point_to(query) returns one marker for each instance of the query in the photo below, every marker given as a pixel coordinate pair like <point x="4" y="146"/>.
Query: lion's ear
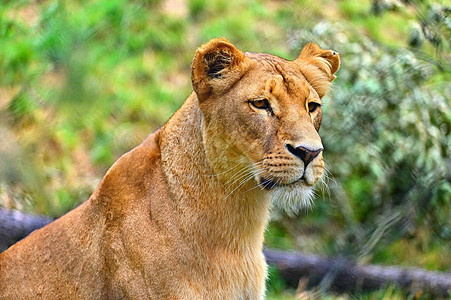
<point x="214" y="67"/>
<point x="319" y="66"/>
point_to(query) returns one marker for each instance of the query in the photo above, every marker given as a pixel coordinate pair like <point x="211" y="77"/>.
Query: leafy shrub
<point x="386" y="132"/>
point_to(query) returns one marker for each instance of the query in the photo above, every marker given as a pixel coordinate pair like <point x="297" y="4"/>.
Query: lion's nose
<point x="305" y="154"/>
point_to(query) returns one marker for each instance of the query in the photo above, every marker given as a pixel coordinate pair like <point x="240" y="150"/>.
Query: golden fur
<point x="182" y="215"/>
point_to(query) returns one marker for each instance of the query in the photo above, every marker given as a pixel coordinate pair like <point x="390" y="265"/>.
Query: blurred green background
<point x="82" y="82"/>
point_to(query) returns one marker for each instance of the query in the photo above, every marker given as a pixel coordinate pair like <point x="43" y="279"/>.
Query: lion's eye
<point x="261" y="104"/>
<point x="312" y="106"/>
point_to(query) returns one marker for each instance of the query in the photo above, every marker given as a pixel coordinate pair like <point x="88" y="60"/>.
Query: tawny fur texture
<point x="182" y="215"/>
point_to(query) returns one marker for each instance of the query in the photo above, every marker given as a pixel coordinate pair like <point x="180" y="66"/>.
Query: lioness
<point x="182" y="215"/>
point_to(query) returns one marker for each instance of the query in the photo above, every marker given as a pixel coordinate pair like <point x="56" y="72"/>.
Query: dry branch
<point x="341" y="274"/>
<point x="15" y="225"/>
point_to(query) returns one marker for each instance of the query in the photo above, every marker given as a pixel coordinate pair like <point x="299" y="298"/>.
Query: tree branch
<point x="342" y="275"/>
<point x="15" y="225"/>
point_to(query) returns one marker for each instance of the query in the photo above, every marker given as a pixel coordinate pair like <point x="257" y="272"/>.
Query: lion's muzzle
<point x="305" y="154"/>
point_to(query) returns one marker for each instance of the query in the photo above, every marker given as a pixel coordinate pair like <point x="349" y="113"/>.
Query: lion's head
<point x="263" y="113"/>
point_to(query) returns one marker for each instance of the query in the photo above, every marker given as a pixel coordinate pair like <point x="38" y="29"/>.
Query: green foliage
<point x="82" y="82"/>
<point x="276" y="286"/>
<point x="387" y="135"/>
<point x="276" y="237"/>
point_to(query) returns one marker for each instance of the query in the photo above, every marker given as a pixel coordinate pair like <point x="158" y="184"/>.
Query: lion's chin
<point x="292" y="198"/>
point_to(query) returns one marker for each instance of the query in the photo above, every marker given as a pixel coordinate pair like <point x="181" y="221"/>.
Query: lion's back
<point x="76" y="256"/>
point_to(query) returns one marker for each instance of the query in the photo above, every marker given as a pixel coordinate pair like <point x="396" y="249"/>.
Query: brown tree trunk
<point x="15" y="225"/>
<point x="342" y="275"/>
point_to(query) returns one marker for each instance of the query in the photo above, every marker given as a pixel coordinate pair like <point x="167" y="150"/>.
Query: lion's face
<point x="262" y="115"/>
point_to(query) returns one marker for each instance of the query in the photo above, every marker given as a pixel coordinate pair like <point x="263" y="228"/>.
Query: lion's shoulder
<point x="134" y="172"/>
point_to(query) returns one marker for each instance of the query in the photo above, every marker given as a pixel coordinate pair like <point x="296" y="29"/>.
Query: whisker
<point x="258" y="185"/>
<point x="242" y="183"/>
<point x="225" y="171"/>
<point x="242" y="174"/>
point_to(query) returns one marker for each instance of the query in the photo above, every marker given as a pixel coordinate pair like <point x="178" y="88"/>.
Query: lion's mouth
<point x="269" y="184"/>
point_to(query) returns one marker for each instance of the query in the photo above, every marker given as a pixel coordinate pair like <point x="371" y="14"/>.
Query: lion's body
<point x="181" y="216"/>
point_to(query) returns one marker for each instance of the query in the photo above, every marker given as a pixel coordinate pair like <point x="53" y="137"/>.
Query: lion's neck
<point x="215" y="213"/>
